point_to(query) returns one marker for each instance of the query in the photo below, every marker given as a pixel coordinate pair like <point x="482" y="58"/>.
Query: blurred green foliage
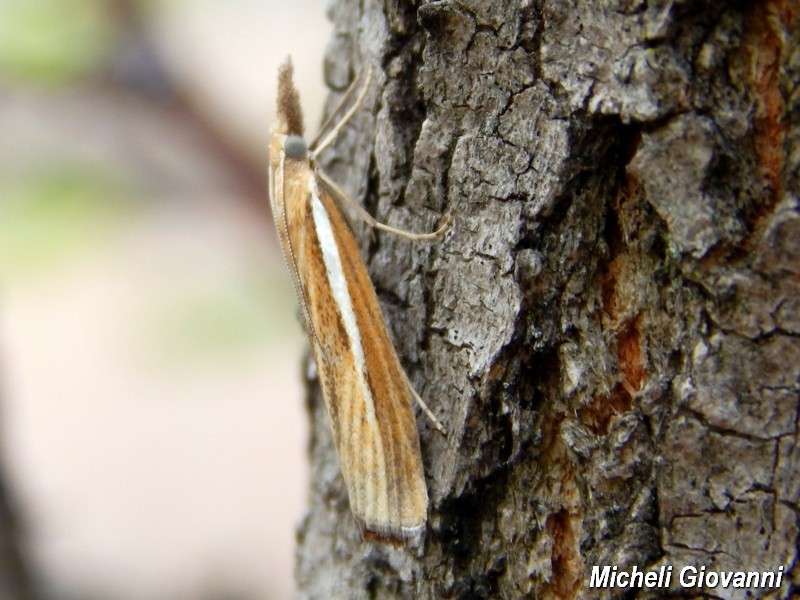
<point x="48" y="215"/>
<point x="57" y="211"/>
<point x="53" y="41"/>
<point x="213" y="322"/>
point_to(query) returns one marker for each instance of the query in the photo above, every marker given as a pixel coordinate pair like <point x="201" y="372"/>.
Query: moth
<point x="367" y="394"/>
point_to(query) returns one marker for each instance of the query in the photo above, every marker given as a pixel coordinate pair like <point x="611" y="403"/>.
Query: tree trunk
<point x="610" y="331"/>
<point x="15" y="576"/>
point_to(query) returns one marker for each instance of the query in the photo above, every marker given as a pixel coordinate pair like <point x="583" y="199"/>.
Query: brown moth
<point x="367" y="394"/>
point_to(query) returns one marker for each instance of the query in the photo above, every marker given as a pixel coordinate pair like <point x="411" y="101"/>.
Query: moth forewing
<point x="367" y="394"/>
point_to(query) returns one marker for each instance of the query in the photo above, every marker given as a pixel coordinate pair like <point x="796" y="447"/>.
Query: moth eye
<point x="295" y="147"/>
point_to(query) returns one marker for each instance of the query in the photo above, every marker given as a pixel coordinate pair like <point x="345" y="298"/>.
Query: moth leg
<point x="329" y="121"/>
<point x="340" y="196"/>
<point x="328" y="140"/>
<point x="426" y="410"/>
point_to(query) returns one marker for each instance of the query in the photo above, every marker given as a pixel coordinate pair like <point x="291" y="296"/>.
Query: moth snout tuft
<point x="290" y="115"/>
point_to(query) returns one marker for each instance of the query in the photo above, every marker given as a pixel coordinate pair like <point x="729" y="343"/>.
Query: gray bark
<point x="610" y="331"/>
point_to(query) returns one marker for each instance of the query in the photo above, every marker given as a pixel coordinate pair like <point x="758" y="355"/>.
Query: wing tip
<point x="392" y="534"/>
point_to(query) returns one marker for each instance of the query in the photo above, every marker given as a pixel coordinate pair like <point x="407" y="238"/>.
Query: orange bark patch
<point x="766" y="23"/>
<point x="566" y="562"/>
<point x="597" y="415"/>
<point x="630" y="355"/>
<point x="611" y="299"/>
<point x="563" y="524"/>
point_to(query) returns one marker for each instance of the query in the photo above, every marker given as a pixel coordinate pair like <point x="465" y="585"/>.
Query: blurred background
<point x="152" y="427"/>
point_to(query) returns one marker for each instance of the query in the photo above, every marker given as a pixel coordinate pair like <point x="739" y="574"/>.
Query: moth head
<point x="295" y="147"/>
<point x="290" y="115"/>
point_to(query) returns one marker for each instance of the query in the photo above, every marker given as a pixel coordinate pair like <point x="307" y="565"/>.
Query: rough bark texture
<point x="610" y="332"/>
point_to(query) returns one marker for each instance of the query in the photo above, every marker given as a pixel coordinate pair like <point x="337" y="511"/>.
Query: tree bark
<point x="610" y="331"/>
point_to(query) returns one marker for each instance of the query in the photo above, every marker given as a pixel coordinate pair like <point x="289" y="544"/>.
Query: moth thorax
<point x="295" y="147"/>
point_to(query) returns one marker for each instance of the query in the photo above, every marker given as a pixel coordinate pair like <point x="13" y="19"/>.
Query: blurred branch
<point x="15" y="579"/>
<point x="138" y="69"/>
